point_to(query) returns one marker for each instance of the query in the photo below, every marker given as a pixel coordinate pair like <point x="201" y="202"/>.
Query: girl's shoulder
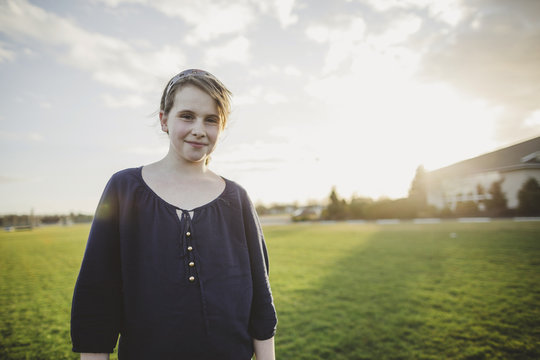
<point x="235" y="187"/>
<point x="126" y="178"/>
<point x="238" y="195"/>
<point x="127" y="173"/>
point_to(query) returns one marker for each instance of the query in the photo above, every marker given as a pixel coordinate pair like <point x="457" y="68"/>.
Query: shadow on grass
<point x="415" y="292"/>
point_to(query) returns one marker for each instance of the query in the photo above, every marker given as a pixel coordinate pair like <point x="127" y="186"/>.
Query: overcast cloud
<point x="493" y="53"/>
<point x="352" y="93"/>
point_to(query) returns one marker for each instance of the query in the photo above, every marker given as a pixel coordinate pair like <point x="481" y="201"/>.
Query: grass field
<point x="342" y="291"/>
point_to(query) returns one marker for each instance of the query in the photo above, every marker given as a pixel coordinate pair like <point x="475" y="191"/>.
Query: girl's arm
<point x="96" y="310"/>
<point x="264" y="349"/>
<point x="91" y="356"/>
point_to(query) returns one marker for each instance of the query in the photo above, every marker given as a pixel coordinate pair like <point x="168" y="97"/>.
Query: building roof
<point x="525" y="155"/>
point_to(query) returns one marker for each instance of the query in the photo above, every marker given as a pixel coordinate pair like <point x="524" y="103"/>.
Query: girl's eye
<point x="186" y="116"/>
<point x="213" y="121"/>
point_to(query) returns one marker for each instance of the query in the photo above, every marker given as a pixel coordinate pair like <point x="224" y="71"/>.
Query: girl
<point x="176" y="260"/>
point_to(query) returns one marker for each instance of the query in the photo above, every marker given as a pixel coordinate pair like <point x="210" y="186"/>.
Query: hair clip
<point x="183" y="74"/>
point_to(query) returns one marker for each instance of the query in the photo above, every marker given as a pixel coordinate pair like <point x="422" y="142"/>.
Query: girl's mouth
<point x="196" y="144"/>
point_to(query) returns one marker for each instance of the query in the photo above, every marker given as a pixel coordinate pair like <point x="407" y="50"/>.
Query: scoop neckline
<point x="139" y="173"/>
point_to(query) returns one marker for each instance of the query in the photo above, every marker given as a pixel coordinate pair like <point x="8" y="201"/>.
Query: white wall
<point x="513" y="181"/>
<point x="451" y="190"/>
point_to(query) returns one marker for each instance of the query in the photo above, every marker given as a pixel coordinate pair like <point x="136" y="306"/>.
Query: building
<point x="464" y="181"/>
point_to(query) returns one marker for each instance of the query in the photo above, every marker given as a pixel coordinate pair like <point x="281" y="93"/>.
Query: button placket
<point x="188" y="255"/>
<point x="190" y="258"/>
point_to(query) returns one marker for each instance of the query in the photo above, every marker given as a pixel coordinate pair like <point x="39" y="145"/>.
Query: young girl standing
<point x="176" y="261"/>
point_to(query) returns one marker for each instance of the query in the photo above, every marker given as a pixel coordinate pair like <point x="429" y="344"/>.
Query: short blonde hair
<point x="204" y="81"/>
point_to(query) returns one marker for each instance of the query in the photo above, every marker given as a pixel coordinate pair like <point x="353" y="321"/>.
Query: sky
<point x="354" y="94"/>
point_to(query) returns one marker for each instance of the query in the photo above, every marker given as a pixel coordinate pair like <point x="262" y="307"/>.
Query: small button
<point x="192" y="278"/>
<point x="189" y="248"/>
<point x="188" y="234"/>
<point x="191" y="264"/>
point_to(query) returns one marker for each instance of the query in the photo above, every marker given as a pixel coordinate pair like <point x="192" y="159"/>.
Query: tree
<point x="358" y="207"/>
<point x="496" y="205"/>
<point x="418" y="191"/>
<point x="336" y="209"/>
<point x="481" y="192"/>
<point x="261" y="209"/>
<point x="466" y="209"/>
<point x="480" y="189"/>
<point x="529" y="198"/>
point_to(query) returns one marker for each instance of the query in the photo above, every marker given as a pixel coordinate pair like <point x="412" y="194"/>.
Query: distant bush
<point x="529" y="198"/>
<point x="81" y="218"/>
<point x="466" y="209"/>
<point x="337" y="208"/>
<point x="496" y="205"/>
<point x="50" y="219"/>
<point x="368" y="209"/>
<point x="15" y="220"/>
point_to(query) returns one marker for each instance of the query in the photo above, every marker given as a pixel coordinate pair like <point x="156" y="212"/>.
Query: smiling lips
<point x="196" y="144"/>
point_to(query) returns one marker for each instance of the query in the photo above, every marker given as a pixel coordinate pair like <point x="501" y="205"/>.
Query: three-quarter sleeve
<point x="263" y="319"/>
<point x="96" y="312"/>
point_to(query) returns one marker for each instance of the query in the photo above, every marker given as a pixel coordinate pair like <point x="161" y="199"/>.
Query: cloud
<point x="145" y="150"/>
<point x="351" y="44"/>
<point x="292" y="70"/>
<point x="11" y="179"/>
<point x="111" y="61"/>
<point x="257" y="156"/>
<point x="127" y="101"/>
<point x="450" y="12"/>
<point x="35" y="137"/>
<point x="235" y="50"/>
<point x="17" y="136"/>
<point x="249" y="157"/>
<point x="211" y="19"/>
<point x="257" y="95"/>
<point x="344" y="41"/>
<point x="400" y="30"/>
<point x="533" y="121"/>
<point x="6" y="54"/>
<point x="493" y="54"/>
<point x="45" y="105"/>
<point x="271" y="70"/>
<point x="281" y="9"/>
<point x="274" y="98"/>
<point x="485" y="49"/>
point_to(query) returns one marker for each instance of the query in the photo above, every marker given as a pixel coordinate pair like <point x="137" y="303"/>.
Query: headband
<point x="183" y="74"/>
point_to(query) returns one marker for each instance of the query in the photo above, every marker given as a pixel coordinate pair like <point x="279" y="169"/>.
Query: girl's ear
<point x="163" y="121"/>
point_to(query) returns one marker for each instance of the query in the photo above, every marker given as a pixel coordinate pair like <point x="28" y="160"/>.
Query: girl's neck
<point x="185" y="168"/>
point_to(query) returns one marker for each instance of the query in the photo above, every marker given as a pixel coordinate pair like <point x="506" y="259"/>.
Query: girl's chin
<point x="195" y="159"/>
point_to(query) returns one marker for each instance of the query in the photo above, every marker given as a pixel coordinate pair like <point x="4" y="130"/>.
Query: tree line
<point x="491" y="203"/>
<point x="29" y="221"/>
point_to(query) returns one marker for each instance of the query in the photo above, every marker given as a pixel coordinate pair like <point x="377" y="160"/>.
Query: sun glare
<point x="382" y="118"/>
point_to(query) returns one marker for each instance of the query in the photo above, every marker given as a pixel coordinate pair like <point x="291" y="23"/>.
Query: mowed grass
<point x="342" y="291"/>
<point x="38" y="271"/>
<point x="347" y="291"/>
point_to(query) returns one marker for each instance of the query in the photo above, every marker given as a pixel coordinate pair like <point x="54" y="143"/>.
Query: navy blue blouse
<point x="173" y="287"/>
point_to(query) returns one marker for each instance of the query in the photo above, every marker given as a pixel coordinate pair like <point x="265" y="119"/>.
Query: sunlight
<point x="384" y="119"/>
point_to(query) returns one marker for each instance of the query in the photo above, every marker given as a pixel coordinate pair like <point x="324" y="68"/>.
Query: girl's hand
<point x="264" y="349"/>
<point x="92" y="356"/>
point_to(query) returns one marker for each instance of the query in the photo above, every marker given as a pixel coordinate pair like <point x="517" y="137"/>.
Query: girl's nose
<point x="198" y="129"/>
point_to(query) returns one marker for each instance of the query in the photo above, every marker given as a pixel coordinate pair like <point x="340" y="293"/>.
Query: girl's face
<point x="193" y="124"/>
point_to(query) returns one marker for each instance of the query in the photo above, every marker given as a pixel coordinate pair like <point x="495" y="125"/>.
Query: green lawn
<point x="342" y="291"/>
